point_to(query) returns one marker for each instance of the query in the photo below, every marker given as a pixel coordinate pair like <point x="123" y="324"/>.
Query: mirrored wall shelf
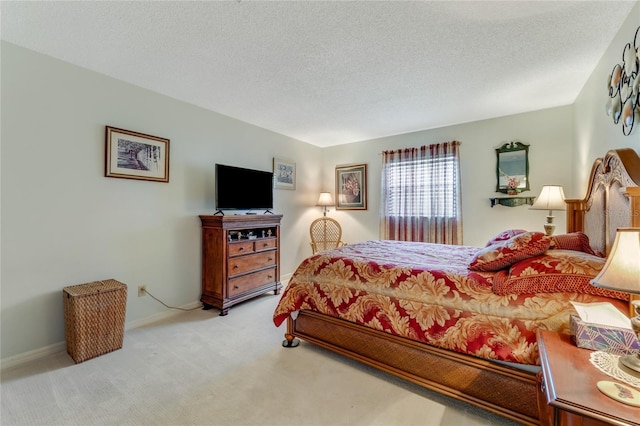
<point x="512" y="201"/>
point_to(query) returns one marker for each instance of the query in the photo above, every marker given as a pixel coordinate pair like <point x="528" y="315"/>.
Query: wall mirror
<point x="512" y="169"/>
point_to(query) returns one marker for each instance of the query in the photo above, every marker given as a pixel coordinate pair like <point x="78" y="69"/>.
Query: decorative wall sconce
<point x="624" y="88"/>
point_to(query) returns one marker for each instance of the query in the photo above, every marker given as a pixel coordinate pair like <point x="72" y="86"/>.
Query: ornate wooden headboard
<point x="612" y="200"/>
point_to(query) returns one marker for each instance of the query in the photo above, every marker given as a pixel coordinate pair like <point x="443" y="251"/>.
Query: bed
<point x="462" y="320"/>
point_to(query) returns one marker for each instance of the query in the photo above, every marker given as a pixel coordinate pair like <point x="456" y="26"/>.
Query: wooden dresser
<point x="240" y="258"/>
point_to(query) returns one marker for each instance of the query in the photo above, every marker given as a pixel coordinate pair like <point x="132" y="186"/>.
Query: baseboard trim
<point x="55" y="348"/>
<point x="35" y="354"/>
<point x="284" y="279"/>
<point x="159" y="316"/>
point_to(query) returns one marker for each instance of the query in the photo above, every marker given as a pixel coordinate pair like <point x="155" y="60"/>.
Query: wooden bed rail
<point x="575" y="214"/>
<point x="634" y="195"/>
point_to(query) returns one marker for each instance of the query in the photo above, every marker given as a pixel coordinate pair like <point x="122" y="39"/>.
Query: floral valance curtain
<point x="421" y="194"/>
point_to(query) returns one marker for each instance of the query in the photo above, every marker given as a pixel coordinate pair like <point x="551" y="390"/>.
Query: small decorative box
<point x="598" y="337"/>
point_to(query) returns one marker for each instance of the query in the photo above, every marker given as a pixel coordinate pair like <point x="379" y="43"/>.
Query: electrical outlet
<point x="142" y="290"/>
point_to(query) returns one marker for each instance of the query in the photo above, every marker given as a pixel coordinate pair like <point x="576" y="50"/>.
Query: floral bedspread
<point x="426" y="293"/>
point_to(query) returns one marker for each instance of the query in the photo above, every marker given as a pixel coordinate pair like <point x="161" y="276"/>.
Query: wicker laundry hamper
<point x="94" y="318"/>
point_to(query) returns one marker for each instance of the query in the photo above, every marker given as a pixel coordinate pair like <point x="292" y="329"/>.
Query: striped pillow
<point x="577" y="241"/>
<point x="503" y="254"/>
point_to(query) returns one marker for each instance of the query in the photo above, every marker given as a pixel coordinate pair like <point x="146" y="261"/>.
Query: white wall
<point x="549" y="134"/>
<point x="595" y="131"/>
<point x="64" y="223"/>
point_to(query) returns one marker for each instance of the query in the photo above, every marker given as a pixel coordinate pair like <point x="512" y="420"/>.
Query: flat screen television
<point x="238" y="188"/>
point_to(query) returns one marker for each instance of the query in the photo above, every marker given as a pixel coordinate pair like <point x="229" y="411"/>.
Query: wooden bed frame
<point x="612" y="200"/>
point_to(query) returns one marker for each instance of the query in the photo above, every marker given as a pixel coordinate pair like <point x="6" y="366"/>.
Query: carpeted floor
<point x="198" y="368"/>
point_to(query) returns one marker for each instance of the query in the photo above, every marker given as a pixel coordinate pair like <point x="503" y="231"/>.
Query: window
<point x="421" y="195"/>
<point x="433" y="192"/>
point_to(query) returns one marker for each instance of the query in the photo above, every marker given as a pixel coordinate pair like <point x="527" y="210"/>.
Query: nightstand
<point x="567" y="394"/>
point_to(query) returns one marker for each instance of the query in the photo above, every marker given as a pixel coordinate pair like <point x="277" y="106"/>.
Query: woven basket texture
<point x="94" y="316"/>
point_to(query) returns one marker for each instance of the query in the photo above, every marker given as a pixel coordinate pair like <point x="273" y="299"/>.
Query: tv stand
<point x="219" y="212"/>
<point x="240" y="259"/>
<point x="267" y="211"/>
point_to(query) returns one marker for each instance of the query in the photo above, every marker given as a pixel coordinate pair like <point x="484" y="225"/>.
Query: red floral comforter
<point x="426" y="293"/>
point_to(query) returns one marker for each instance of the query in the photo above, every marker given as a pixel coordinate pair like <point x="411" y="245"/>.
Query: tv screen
<point x="243" y="189"/>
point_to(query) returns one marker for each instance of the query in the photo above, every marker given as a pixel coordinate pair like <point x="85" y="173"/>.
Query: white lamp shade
<point x="551" y="198"/>
<point x="621" y="272"/>
<point x="325" y="199"/>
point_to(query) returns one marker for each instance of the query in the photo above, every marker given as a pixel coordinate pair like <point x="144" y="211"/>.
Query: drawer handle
<point x="265" y="245"/>
<point x="240" y="248"/>
<point x="270" y="259"/>
<point x="270" y="276"/>
<point x="235" y="266"/>
<point x="236" y="287"/>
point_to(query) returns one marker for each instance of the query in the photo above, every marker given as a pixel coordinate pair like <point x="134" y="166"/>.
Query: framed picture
<point x="284" y="174"/>
<point x="351" y="187"/>
<point x="133" y="155"/>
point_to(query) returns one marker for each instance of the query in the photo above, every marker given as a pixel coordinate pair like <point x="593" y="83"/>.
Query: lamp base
<point x="631" y="361"/>
<point x="549" y="228"/>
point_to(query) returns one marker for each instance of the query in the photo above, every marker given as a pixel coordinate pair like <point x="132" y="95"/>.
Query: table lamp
<point x="551" y="198"/>
<point x="325" y="201"/>
<point x="621" y="272"/>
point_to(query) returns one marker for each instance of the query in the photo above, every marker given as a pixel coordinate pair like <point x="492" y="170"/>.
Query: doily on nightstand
<point x="608" y="364"/>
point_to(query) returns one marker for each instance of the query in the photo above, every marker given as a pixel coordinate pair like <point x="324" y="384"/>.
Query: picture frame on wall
<point x="284" y="173"/>
<point x="351" y="187"/>
<point x="134" y="155"/>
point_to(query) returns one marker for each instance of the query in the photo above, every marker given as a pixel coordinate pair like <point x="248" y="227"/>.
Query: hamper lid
<point x="94" y="287"/>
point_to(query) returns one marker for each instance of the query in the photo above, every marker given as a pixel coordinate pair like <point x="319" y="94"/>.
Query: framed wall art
<point x="133" y="155"/>
<point x="351" y="187"/>
<point x="284" y="174"/>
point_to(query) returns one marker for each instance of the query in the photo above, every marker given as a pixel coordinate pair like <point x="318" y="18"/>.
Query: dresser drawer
<point x="265" y="244"/>
<point x="240" y="265"/>
<point x="244" y="247"/>
<point x="250" y="281"/>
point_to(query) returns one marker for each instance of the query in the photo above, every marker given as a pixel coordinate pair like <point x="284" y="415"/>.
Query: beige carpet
<point x="198" y="368"/>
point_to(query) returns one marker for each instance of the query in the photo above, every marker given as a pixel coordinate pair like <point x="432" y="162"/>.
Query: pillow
<point x="556" y="271"/>
<point x="577" y="241"/>
<point x="505" y="235"/>
<point x="502" y="254"/>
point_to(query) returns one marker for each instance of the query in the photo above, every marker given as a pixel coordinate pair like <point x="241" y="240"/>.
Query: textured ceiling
<point x="334" y="72"/>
